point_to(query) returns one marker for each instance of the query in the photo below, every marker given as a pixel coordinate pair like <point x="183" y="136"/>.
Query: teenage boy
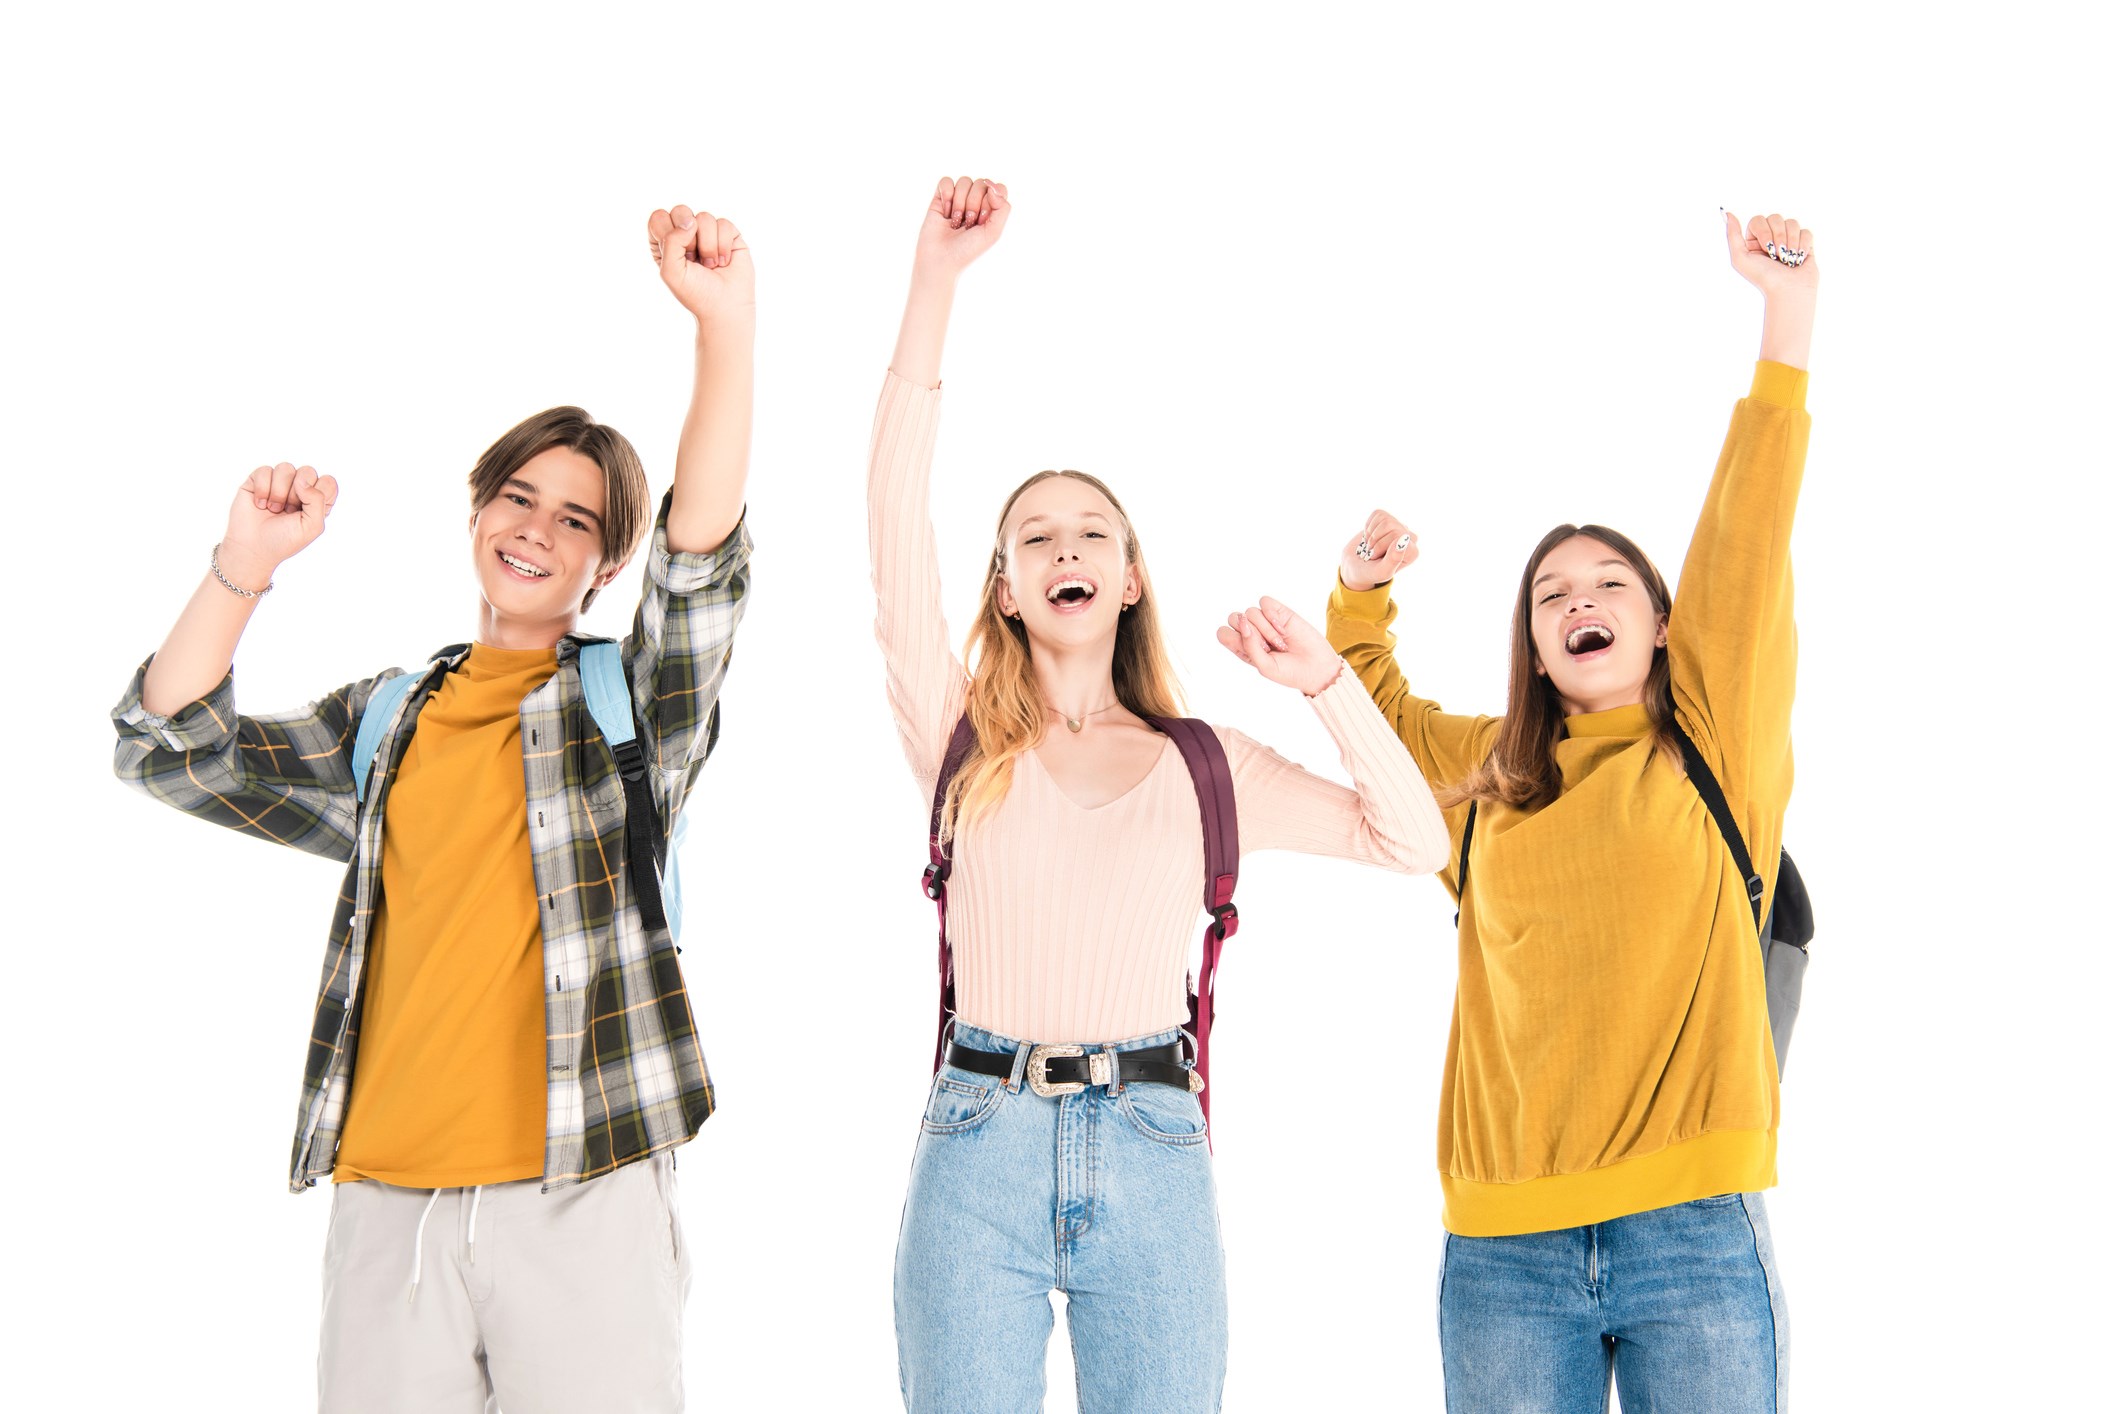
<point x="503" y="1056"/>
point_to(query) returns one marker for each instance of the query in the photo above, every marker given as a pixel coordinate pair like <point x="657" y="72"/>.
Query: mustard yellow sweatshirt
<point x="1610" y="1052"/>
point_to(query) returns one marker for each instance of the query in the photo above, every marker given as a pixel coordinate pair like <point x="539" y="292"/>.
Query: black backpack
<point x="1785" y="928"/>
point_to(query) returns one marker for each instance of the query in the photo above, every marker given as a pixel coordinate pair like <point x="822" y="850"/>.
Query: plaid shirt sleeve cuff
<point x="205" y="723"/>
<point x="687" y="571"/>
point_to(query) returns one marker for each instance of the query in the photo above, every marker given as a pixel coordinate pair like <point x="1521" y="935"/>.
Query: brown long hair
<point x="1005" y="703"/>
<point x="625" y="495"/>
<point x="1522" y="769"/>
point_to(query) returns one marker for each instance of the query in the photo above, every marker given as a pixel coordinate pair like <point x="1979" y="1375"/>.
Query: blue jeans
<point x="1107" y="1195"/>
<point x="1682" y="1304"/>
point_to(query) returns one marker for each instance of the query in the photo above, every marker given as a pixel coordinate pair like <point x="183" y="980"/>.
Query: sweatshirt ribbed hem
<point x="1733" y="1161"/>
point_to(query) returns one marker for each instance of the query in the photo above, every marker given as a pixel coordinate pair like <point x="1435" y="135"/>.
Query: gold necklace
<point x="1074" y="724"/>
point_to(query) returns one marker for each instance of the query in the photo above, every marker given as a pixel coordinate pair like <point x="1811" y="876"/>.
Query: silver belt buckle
<point x="1039" y="1085"/>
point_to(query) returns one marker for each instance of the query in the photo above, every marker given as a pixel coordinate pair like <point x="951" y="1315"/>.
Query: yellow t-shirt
<point x="1609" y="1052"/>
<point x="449" y="1075"/>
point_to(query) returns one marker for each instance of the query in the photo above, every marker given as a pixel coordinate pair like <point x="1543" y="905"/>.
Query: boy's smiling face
<point x="537" y="547"/>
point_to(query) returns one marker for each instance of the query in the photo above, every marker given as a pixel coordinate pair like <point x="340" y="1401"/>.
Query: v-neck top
<point x="1162" y="750"/>
<point x="1077" y="924"/>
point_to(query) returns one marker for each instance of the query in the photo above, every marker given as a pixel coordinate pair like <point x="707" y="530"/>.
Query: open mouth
<point x="523" y="567"/>
<point x="1070" y="594"/>
<point x="1586" y="639"/>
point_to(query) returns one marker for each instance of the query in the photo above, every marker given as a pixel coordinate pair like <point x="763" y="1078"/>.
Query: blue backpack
<point x="610" y="702"/>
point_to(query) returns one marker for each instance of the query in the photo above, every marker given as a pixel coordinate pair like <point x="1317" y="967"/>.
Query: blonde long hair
<point x="1004" y="701"/>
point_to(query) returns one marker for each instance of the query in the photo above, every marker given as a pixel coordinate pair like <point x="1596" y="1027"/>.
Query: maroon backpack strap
<point x="1216" y="790"/>
<point x="935" y="879"/>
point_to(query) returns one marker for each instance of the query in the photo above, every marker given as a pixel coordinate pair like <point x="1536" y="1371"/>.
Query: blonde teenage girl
<point x="1075" y="895"/>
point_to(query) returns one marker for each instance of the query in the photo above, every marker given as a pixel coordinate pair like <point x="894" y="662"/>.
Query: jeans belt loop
<point x="1022" y="1058"/>
<point x="1110" y="1052"/>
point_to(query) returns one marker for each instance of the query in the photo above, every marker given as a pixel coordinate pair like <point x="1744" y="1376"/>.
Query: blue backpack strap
<point x="375" y="720"/>
<point x="610" y="701"/>
<point x="608" y="694"/>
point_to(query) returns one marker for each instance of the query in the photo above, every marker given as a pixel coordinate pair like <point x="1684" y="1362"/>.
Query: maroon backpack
<point x="1209" y="766"/>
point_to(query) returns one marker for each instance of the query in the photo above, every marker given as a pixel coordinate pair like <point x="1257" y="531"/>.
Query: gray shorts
<point x="524" y="1302"/>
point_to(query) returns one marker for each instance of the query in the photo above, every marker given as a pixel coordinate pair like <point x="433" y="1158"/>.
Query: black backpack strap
<point x="934" y="881"/>
<point x="644" y="844"/>
<point x="606" y="693"/>
<point x="1718" y="806"/>
<point x="1464" y="860"/>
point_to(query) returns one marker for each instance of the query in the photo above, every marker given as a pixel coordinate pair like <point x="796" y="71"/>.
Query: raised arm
<point x="286" y="778"/>
<point x="1775" y="254"/>
<point x="1389" y="818"/>
<point x="697" y="579"/>
<point x="707" y="266"/>
<point x="926" y="681"/>
<point x="1357" y="624"/>
<point x="962" y="223"/>
<point x="1732" y="625"/>
<point x="278" y="512"/>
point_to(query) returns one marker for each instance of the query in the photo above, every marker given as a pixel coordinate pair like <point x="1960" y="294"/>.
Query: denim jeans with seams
<point x="1682" y="1305"/>
<point x="1106" y="1195"/>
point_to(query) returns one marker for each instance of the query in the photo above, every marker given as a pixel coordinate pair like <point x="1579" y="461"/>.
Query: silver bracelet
<point x="213" y="559"/>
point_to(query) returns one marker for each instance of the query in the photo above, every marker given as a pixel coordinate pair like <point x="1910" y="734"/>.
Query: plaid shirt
<point x="624" y="1074"/>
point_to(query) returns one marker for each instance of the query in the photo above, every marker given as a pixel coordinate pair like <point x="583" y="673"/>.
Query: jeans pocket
<point x="1719" y="1200"/>
<point x="1164" y="1113"/>
<point x="955" y="1105"/>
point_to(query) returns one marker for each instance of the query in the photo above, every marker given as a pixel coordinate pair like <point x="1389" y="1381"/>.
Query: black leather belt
<point x="1067" y="1070"/>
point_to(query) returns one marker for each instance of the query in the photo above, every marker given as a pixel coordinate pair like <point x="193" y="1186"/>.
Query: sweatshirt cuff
<point x="1371" y="604"/>
<point x="1780" y="385"/>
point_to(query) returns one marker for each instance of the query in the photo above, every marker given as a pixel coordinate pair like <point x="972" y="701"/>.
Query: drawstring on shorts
<point x="419" y="1236"/>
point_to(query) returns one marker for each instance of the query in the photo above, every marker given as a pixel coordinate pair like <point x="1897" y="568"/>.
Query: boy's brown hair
<point x="626" y="511"/>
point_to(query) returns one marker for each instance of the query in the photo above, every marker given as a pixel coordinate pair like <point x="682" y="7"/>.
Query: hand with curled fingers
<point x="963" y="221"/>
<point x="278" y="512"/>
<point x="1383" y="547"/>
<point x="705" y="262"/>
<point x="1283" y="647"/>
<point x="1773" y="253"/>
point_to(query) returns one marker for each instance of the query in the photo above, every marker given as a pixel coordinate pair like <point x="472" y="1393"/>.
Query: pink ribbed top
<point x="1077" y="925"/>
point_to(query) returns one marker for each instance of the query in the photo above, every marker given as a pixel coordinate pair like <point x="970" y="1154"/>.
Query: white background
<point x="1269" y="268"/>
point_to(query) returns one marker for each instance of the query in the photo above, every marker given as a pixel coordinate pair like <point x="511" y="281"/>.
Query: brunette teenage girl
<point x="1077" y="844"/>
<point x="1610" y="1097"/>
